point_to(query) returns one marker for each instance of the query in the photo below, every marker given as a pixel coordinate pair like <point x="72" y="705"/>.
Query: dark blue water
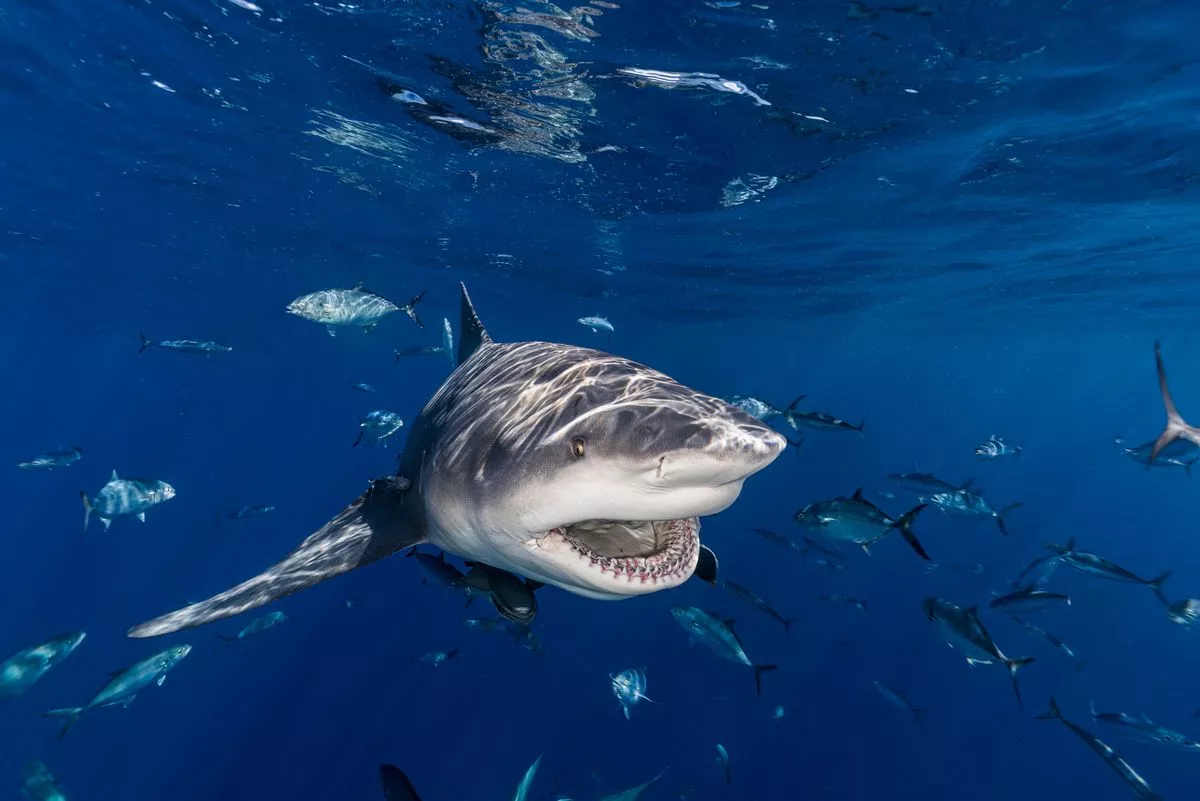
<point x="950" y="222"/>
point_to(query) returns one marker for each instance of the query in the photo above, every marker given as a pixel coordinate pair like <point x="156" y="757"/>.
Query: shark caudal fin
<point x="759" y="670"/>
<point x="1013" y="666"/>
<point x="904" y="526"/>
<point x="471" y="334"/>
<point x="375" y="525"/>
<point x="1176" y="427"/>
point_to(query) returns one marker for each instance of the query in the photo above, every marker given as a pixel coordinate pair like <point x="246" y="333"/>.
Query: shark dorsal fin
<point x="857" y="496"/>
<point x="471" y="333"/>
<point x="115" y="477"/>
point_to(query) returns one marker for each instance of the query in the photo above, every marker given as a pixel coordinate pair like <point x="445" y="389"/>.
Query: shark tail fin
<point x="1001" y="514"/>
<point x="759" y="670"/>
<point x="71" y="713"/>
<point x="145" y="343"/>
<point x="1013" y="666"/>
<point x="375" y="525"/>
<point x="1176" y="427"/>
<point x="1157" y="583"/>
<point x="904" y="525"/>
<point x="472" y="335"/>
<point x="410" y="309"/>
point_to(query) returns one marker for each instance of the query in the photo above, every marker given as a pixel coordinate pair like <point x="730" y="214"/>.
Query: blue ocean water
<point x="948" y="221"/>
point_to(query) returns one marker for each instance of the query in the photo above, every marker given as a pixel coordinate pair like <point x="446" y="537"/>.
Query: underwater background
<point x="948" y="221"/>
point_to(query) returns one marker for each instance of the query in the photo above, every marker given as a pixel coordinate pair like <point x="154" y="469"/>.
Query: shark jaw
<point x="609" y="560"/>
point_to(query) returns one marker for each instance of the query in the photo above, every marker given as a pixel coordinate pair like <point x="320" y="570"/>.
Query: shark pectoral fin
<point x="375" y="525"/>
<point x="706" y="566"/>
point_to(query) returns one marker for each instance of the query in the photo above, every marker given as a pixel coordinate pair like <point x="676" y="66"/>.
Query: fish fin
<point x="141" y="516"/>
<point x="972" y="661"/>
<point x="87" y="509"/>
<point x="791" y="407"/>
<point x="1092" y="707"/>
<point x="332" y="331"/>
<point x="860" y="428"/>
<point x="359" y="438"/>
<point x="375" y="525"/>
<point x="71" y="713"/>
<point x="759" y="670"/>
<point x="1157" y="583"/>
<point x="857" y="496"/>
<point x="161" y="679"/>
<point x="1176" y="427"/>
<point x="107" y="521"/>
<point x="396" y="784"/>
<point x="471" y="335"/>
<point x="1000" y="516"/>
<point x="411" y="311"/>
<point x="1050" y="714"/>
<point x="115" y="477"/>
<point x="1013" y="666"/>
<point x="145" y="343"/>
<point x="904" y="525"/>
<point x="706" y="566"/>
<point x="627" y="715"/>
<point x="967" y="484"/>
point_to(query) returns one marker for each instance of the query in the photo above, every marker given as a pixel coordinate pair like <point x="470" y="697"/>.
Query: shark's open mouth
<point x="647" y="552"/>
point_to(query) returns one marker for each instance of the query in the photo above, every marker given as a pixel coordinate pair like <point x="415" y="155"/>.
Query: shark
<point x="569" y="466"/>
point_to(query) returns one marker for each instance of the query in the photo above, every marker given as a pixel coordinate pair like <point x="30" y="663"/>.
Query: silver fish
<point x="124" y="685"/>
<point x="1185" y="612"/>
<point x="857" y="520"/>
<point x="899" y="700"/>
<point x="964" y="627"/>
<point x="1145" y="729"/>
<point x="23" y="669"/>
<point x="925" y="483"/>
<point x="738" y="591"/>
<point x="418" y="351"/>
<point x="61" y="457"/>
<point x="246" y="512"/>
<point x="1106" y="752"/>
<point x="186" y="345"/>
<point x="1052" y="639"/>
<point x="1100" y="567"/>
<point x="819" y="421"/>
<point x="995" y="448"/>
<point x="257" y="626"/>
<point x="350" y="307"/>
<point x="1179" y="453"/>
<point x="857" y="603"/>
<point x="381" y="424"/>
<point x="39" y="784"/>
<point x="968" y="502"/>
<point x="718" y="636"/>
<point x="1029" y="599"/>
<point x="597" y="324"/>
<point x="760" y="409"/>
<point x="630" y="687"/>
<point x="125" y="496"/>
<point x="688" y="80"/>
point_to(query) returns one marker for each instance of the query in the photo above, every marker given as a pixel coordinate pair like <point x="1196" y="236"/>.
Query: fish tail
<point x="1013" y="666"/>
<point x="860" y="428"/>
<point x="358" y="439"/>
<point x="1176" y="427"/>
<point x="791" y="407"/>
<point x="759" y="670"/>
<point x="87" y="509"/>
<point x="71" y="713"/>
<point x="411" y="311"/>
<point x="145" y="343"/>
<point x="1000" y="516"/>
<point x="904" y="525"/>
<point x="1052" y="713"/>
<point x="1157" y="583"/>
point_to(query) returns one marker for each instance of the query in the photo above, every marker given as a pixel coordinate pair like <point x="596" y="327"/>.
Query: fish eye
<point x="577" y="448"/>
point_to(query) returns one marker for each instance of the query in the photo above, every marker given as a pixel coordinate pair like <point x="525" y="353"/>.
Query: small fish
<point x="749" y="597"/>
<point x="1029" y="599"/>
<point x="380" y="424"/>
<point x="396" y="785"/>
<point x="436" y="658"/>
<point x="964" y="627"/>
<point x="778" y="713"/>
<point x="187" y="345"/>
<point x="125" y="496"/>
<point x="438" y="569"/>
<point x="23" y="669"/>
<point x="718" y="636"/>
<point x="257" y="626"/>
<point x="921" y="483"/>
<point x="418" y="351"/>
<point x="246" y="512"/>
<point x="778" y="539"/>
<point x="482" y="624"/>
<point x="1052" y="639"/>
<point x="39" y="784"/>
<point x="857" y="520"/>
<point x="723" y="758"/>
<point x="815" y="545"/>
<point x="968" y="502"/>
<point x="819" y="421"/>
<point x="630" y="687"/>
<point x="973" y="568"/>
<point x="350" y="307"/>
<point x="995" y="448"/>
<point x="1039" y="569"/>
<point x="760" y="409"/>
<point x="363" y="387"/>
<point x="857" y="603"/>
<point x="898" y="699"/>
<point x="1145" y="729"/>
<point x="597" y="324"/>
<point x="1100" y="567"/>
<point x="448" y="342"/>
<point x="1185" y="612"/>
<point x="61" y="457"/>
<point x="124" y="685"/>
<point x="1106" y="752"/>
<point x="1179" y="453"/>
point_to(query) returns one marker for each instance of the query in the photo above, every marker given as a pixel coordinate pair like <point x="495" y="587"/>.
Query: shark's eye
<point x="577" y="448"/>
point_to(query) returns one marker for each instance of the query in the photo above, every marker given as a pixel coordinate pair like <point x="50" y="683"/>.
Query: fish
<point x="186" y="345"/>
<point x="899" y="700"/>
<point x="630" y="687"/>
<point x="1140" y="787"/>
<point x="350" y="307"/>
<point x="125" y="496"/>
<point x="257" y="626"/>
<point x="1145" y="729"/>
<point x="633" y="793"/>
<point x="964" y="627"/>
<point x="688" y="80"/>
<point x="124" y="685"/>
<point x="448" y="341"/>
<point x="595" y="473"/>
<point x="436" y="658"/>
<point x="778" y="539"/>
<point x="995" y="448"/>
<point x="760" y="409"/>
<point x="811" y="544"/>
<point x="526" y="638"/>
<point x="380" y="424"/>
<point x="723" y="758"/>
<point x="1179" y="453"/>
<point x="857" y="520"/>
<point x="244" y="512"/>
<point x="1053" y="640"/>
<point x="924" y="483"/>
<point x="438" y="569"/>
<point x="418" y="351"/>
<point x="1040" y="568"/>
<point x="484" y="624"/>
<point x="1029" y="599"/>
<point x="39" y="784"/>
<point x="969" y="502"/>
<point x="396" y="785"/>
<point x="1185" y="612"/>
<point x="857" y="603"/>
<point x="738" y="591"/>
<point x="1176" y="427"/>
<point x="23" y="669"/>
<point x="1100" y="567"/>
<point x="363" y="387"/>
<point x="597" y="324"/>
<point x="52" y="460"/>
<point x="819" y="421"/>
<point x="718" y="636"/>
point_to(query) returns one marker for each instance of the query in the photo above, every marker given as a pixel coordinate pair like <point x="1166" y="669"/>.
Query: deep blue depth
<point x="979" y="218"/>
